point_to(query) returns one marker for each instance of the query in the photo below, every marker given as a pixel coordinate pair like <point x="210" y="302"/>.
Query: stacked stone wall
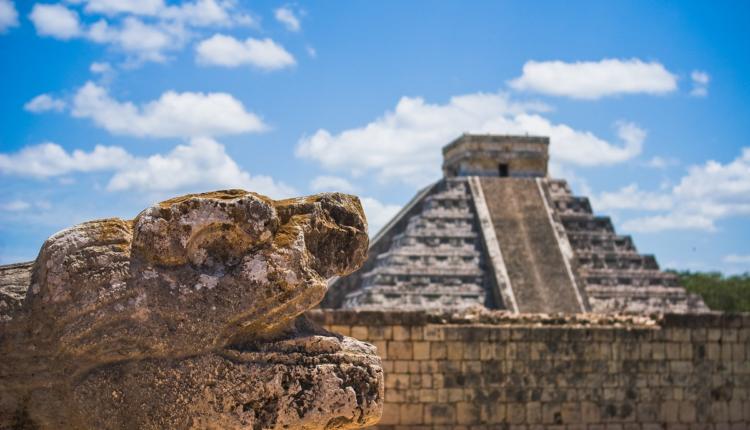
<point x="576" y="372"/>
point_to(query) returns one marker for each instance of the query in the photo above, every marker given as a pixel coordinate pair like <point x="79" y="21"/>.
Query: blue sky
<point x="111" y="105"/>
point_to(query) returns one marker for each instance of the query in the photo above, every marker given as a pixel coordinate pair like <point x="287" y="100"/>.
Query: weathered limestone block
<point x="188" y="316"/>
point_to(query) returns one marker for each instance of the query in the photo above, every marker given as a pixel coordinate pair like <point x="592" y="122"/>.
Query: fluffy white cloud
<point x="286" y="16"/>
<point x="8" y="15"/>
<point x="114" y="7"/>
<point x="706" y="194"/>
<point x="139" y="40"/>
<point x="700" y="83"/>
<point x="595" y="79"/>
<point x="331" y="183"/>
<point x="404" y="144"/>
<point x="200" y="165"/>
<point x="378" y="214"/>
<point x="50" y="159"/>
<point x="221" y="50"/>
<point x="55" y="20"/>
<point x="197" y="13"/>
<point x="44" y="103"/>
<point x="173" y="114"/>
<point x="144" y="30"/>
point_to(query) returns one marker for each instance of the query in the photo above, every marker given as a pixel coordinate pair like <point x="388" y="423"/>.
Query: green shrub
<point x="721" y="293"/>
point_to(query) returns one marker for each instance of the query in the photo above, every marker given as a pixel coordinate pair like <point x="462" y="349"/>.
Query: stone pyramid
<point x="496" y="231"/>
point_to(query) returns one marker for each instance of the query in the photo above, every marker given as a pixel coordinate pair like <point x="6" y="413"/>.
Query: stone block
<point x="398" y="350"/>
<point x="440" y="414"/>
<point x="411" y="414"/>
<point x="533" y="413"/>
<point x="390" y="414"/>
<point x="401" y="366"/>
<point x="467" y="413"/>
<point x="359" y="332"/>
<point x="433" y="333"/>
<point x="382" y="348"/>
<point x="401" y="333"/>
<point x="421" y="350"/>
<point x="341" y="329"/>
<point x="455" y="350"/>
<point x="669" y="411"/>
<point x="438" y="350"/>
<point x="687" y="412"/>
<point x="517" y="413"/>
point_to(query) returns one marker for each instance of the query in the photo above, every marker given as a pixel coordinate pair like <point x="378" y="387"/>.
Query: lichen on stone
<point x="189" y="316"/>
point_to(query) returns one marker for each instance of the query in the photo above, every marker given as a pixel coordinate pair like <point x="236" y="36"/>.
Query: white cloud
<point x="199" y="165"/>
<point x="671" y="221"/>
<point x="144" y="30"/>
<point x="23" y="205"/>
<point x="331" y="183"/>
<point x="700" y="77"/>
<point x="100" y="68"/>
<point x="8" y="15"/>
<point x="700" y="83"/>
<point x="661" y="162"/>
<point x="135" y="7"/>
<point x="50" y="159"/>
<point x="197" y="13"/>
<point x="378" y="214"/>
<point x="55" y="20"/>
<point x="404" y="144"/>
<point x="286" y="16"/>
<point x="311" y="52"/>
<point x="595" y="79"/>
<point x="631" y="197"/>
<point x="736" y="259"/>
<point x="15" y="206"/>
<point x="173" y="114"/>
<point x="708" y="193"/>
<point x="139" y="40"/>
<point x="221" y="50"/>
<point x="44" y="103"/>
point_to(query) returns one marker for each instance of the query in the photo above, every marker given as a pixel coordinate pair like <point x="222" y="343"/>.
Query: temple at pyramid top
<point x="496" y="231"/>
<point x="493" y="155"/>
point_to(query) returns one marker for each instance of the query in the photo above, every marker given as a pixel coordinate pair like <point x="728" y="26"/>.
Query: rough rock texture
<point x="188" y="316"/>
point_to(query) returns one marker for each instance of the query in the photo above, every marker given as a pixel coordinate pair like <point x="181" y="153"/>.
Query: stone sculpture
<point x="189" y="316"/>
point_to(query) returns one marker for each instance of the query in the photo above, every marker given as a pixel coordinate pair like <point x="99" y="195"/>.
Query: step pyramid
<point x="495" y="231"/>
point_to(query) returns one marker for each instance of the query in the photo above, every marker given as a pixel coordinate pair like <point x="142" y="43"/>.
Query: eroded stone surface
<point x="188" y="317"/>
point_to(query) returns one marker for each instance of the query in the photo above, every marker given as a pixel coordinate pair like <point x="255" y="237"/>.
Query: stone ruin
<point x="497" y="232"/>
<point x="188" y="316"/>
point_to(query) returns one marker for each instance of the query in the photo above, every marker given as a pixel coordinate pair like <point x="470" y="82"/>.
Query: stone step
<point x="635" y="278"/>
<point x="441" y="236"/>
<point x="530" y="248"/>
<point x="429" y="260"/>
<point x="620" y="261"/>
<point x="428" y="271"/>
<point x="558" y="187"/>
<point x="572" y="205"/>
<point x="593" y="224"/>
<point x="600" y="242"/>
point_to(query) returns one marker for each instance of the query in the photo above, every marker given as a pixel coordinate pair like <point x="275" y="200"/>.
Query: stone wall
<point x="494" y="370"/>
